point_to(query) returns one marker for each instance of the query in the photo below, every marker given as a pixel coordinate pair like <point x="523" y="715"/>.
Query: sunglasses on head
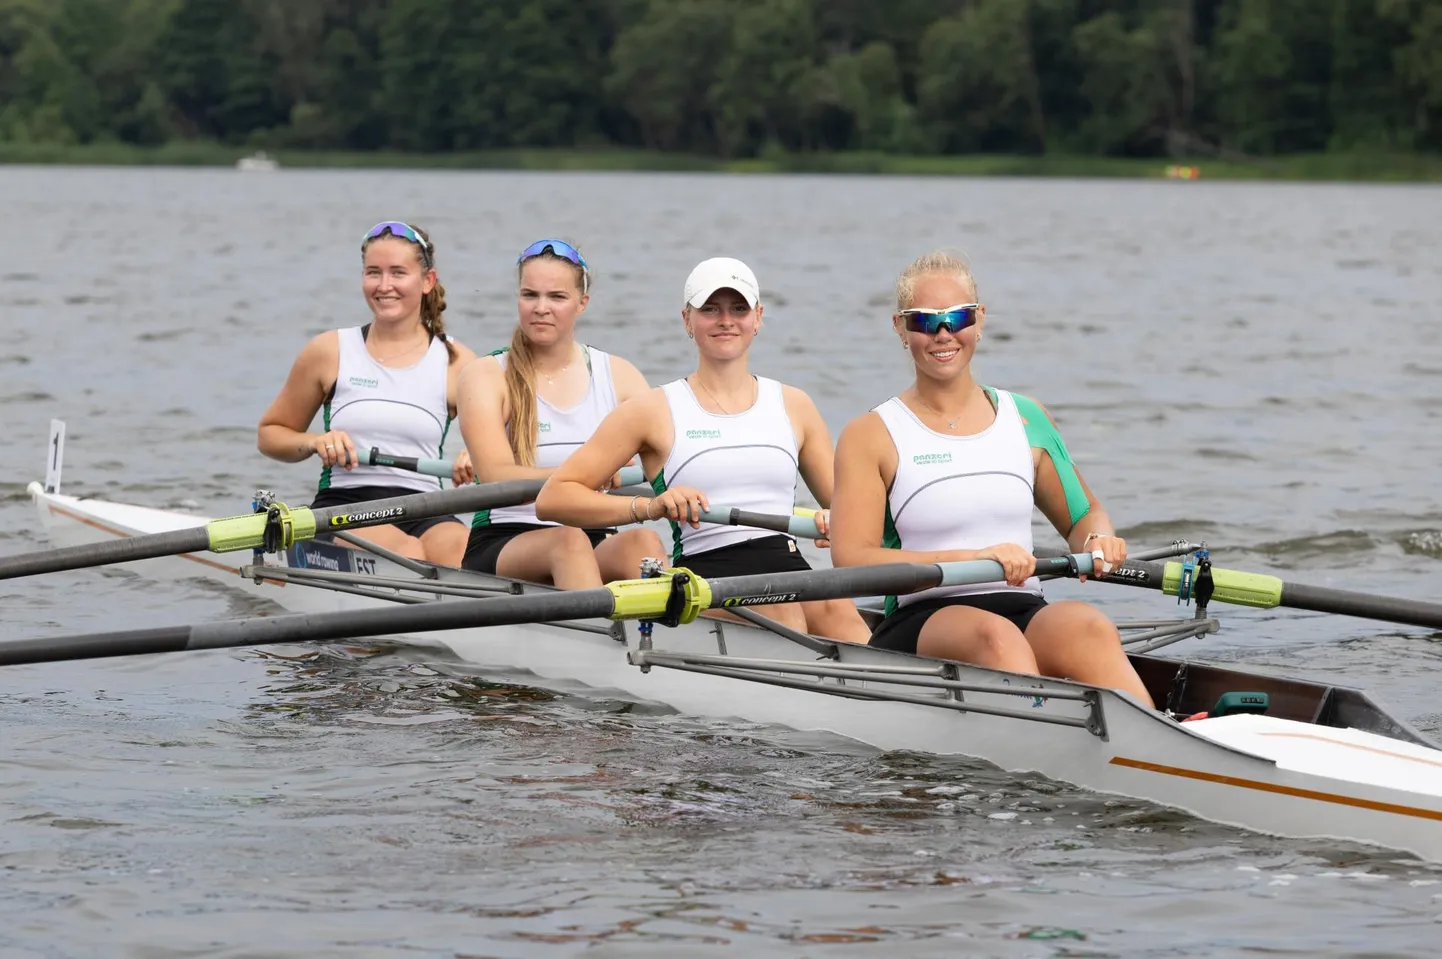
<point x="558" y="248"/>
<point x="403" y="231"/>
<point x="953" y="319"/>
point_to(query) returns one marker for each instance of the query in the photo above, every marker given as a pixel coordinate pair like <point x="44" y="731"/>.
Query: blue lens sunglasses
<point x="953" y="319"/>
<point x="402" y="231"/>
<point x="562" y="249"/>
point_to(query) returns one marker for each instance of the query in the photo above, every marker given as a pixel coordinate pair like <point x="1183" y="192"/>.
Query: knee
<point x="640" y="542"/>
<point x="569" y="541"/>
<point x="1000" y="641"/>
<point x="1091" y="627"/>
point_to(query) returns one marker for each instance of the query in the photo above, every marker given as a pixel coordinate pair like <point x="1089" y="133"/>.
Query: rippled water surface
<point x="1253" y="365"/>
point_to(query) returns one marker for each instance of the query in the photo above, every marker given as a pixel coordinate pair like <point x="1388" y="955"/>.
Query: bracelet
<point x="633" y="509"/>
<point x="1094" y="534"/>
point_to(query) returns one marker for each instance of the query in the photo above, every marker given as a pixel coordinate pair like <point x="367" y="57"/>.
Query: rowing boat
<point x="1281" y="756"/>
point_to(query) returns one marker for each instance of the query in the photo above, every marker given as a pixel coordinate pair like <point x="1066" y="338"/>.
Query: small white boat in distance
<point x="258" y="162"/>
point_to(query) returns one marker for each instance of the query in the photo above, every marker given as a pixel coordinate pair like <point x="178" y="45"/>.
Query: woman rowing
<point x="950" y="471"/>
<point x="526" y="408"/>
<point x="720" y="434"/>
<point x="390" y="384"/>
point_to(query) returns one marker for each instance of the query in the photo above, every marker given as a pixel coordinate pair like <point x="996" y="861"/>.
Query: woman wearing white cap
<point x="721" y="434"/>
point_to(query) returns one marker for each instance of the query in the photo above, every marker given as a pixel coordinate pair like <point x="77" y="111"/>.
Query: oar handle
<point x="630" y="475"/>
<point x="801" y="523"/>
<point x="975" y="571"/>
<point x="416" y="464"/>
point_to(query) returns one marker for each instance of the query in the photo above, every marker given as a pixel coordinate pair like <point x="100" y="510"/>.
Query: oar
<point x="1263" y="591"/>
<point x="630" y="475"/>
<point x="671" y="598"/>
<point x="800" y="523"/>
<point x="274" y="529"/>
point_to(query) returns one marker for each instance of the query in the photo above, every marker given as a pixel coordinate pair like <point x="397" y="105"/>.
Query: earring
<point x="904" y="346"/>
<point x="690" y="335"/>
<point x="978" y="336"/>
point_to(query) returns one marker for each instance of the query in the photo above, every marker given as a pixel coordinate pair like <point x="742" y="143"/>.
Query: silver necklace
<point x="395" y="356"/>
<point x="951" y="423"/>
<point x="713" y="396"/>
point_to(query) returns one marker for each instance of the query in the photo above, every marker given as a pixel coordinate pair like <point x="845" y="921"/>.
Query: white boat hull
<point x="1275" y="775"/>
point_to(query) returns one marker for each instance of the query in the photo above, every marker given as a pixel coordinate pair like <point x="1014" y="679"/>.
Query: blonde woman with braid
<point x="390" y="384"/>
<point x="524" y="409"/>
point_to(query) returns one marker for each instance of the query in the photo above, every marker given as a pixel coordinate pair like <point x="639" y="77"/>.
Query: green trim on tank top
<point x="325" y="470"/>
<point x="1042" y="434"/>
<point x="890" y="539"/>
<point x="441" y="450"/>
<point x="658" y="486"/>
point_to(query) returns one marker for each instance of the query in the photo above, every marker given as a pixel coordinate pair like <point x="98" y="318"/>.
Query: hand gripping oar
<point x="630" y="475"/>
<point x="673" y="598"/>
<point x="1263" y="591"/>
<point x="273" y="529"/>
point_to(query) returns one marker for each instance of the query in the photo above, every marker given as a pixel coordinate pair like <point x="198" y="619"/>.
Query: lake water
<point x="1256" y="366"/>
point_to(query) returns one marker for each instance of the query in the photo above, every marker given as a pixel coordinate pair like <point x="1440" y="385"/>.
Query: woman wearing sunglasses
<point x="524" y="409"/>
<point x="390" y="384"/>
<point x="949" y="470"/>
<point x="720" y="435"/>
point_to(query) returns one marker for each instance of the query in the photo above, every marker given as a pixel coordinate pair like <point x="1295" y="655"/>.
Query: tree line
<point x="734" y="78"/>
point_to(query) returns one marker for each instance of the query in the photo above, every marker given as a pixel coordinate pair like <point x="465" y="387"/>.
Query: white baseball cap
<point x="721" y="273"/>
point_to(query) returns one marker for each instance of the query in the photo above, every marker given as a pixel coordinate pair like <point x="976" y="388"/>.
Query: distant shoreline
<point x="1343" y="167"/>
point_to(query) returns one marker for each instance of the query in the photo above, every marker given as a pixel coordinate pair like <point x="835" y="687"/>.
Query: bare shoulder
<point x="797" y="399"/>
<point x="483" y="369"/>
<point x="864" y="434"/>
<point x="648" y="402"/>
<point x="463" y="353"/>
<point x="321" y="347"/>
<point x="630" y="382"/>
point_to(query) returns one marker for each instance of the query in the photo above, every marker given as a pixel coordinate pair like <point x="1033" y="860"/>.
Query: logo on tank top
<point x="543" y="427"/>
<point x="703" y="434"/>
<point x="931" y="459"/>
<point x="365" y="382"/>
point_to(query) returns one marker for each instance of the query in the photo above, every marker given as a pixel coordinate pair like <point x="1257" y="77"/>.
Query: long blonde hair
<point x="942" y="262"/>
<point x="523" y="428"/>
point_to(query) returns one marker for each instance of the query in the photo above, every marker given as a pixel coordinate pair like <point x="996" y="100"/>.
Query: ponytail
<point x="433" y="304"/>
<point x="523" y="429"/>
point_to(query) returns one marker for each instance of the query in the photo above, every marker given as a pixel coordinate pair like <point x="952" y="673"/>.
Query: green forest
<point x="729" y="78"/>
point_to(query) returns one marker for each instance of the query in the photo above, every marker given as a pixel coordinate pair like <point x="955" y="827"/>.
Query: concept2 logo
<point x="350" y="519"/>
<point x="761" y="600"/>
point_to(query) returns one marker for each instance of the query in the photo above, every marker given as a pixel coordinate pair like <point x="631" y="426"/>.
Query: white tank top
<point x="561" y="432"/>
<point x="401" y="411"/>
<point x="744" y="461"/>
<point x="959" y="492"/>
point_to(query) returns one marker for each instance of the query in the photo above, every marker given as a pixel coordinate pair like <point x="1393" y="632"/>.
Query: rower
<point x="391" y="383"/>
<point x="721" y="434"/>
<point x="950" y="471"/>
<point x="524" y="409"/>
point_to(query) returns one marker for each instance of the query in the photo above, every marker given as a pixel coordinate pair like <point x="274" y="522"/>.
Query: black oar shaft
<point x="763" y="589"/>
<point x="318" y="627"/>
<point x="1319" y="599"/>
<point x="129" y="549"/>
<point x="1411" y="612"/>
<point x="243" y="532"/>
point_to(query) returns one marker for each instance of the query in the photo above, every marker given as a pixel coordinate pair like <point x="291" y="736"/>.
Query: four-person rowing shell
<point x="947" y="470"/>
